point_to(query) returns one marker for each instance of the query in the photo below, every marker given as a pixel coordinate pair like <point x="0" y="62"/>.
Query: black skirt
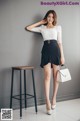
<point x="50" y="53"/>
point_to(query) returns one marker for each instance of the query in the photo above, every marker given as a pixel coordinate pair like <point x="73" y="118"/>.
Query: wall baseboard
<point x="30" y="102"/>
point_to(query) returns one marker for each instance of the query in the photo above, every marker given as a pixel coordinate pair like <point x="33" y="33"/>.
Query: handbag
<point x="64" y="74"/>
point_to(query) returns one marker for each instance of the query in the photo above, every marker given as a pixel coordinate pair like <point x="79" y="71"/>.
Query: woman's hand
<point x="62" y="61"/>
<point x="44" y="21"/>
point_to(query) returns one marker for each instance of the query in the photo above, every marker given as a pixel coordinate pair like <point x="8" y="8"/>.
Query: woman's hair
<point x="54" y="16"/>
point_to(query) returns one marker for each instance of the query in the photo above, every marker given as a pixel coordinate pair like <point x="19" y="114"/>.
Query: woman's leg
<point x="47" y="77"/>
<point x="56" y="83"/>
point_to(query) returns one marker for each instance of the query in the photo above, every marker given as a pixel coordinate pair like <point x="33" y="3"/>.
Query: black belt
<point x="49" y="41"/>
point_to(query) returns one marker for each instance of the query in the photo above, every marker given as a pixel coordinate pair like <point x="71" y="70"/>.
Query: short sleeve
<point x="36" y="29"/>
<point x="59" y="34"/>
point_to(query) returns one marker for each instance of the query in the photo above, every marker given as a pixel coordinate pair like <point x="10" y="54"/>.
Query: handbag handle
<point x="60" y="71"/>
<point x="63" y="65"/>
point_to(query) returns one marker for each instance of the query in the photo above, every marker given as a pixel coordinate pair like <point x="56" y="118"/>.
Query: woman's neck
<point x="50" y="25"/>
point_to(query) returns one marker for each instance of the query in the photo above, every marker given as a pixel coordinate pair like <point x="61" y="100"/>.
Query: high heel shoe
<point x="53" y="106"/>
<point x="48" y="110"/>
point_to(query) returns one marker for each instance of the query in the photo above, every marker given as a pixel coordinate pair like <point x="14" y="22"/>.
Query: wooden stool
<point x="24" y="68"/>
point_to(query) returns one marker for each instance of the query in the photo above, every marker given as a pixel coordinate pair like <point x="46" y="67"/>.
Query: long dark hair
<point x="54" y="16"/>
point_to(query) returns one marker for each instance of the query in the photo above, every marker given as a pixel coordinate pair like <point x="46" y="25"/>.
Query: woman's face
<point x="50" y="18"/>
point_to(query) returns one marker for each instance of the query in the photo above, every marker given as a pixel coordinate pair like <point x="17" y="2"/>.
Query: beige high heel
<point x="53" y="106"/>
<point x="48" y="110"/>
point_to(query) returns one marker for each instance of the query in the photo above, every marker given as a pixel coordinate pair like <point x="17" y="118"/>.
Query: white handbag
<point x="64" y="75"/>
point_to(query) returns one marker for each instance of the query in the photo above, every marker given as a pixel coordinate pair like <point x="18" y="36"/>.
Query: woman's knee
<point x="55" y="71"/>
<point x="47" y="76"/>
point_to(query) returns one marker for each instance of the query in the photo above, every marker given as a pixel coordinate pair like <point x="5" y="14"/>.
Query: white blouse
<point x="49" y="33"/>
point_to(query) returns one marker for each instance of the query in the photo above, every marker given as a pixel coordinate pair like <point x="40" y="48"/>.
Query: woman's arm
<point x="61" y="49"/>
<point x="60" y="44"/>
<point x="35" y="24"/>
<point x="62" y="54"/>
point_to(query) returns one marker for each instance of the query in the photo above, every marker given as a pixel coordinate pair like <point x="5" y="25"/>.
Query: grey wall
<point x="20" y="47"/>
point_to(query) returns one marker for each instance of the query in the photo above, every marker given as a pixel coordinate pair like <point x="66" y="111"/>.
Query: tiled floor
<point x="65" y="111"/>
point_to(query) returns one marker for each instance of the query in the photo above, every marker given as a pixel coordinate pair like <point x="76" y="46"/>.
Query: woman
<point x="52" y="53"/>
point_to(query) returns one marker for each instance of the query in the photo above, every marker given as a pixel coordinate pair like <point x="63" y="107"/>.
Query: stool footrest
<point x="16" y="96"/>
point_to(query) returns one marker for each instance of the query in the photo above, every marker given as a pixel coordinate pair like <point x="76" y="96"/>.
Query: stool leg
<point x="20" y="93"/>
<point x="11" y="88"/>
<point x="34" y="91"/>
<point x="25" y="87"/>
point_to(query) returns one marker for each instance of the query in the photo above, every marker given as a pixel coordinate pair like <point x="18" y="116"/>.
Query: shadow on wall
<point x="35" y="56"/>
<point x="78" y="120"/>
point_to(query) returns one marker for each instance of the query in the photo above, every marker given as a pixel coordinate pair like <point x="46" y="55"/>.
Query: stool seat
<point x="23" y="67"/>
